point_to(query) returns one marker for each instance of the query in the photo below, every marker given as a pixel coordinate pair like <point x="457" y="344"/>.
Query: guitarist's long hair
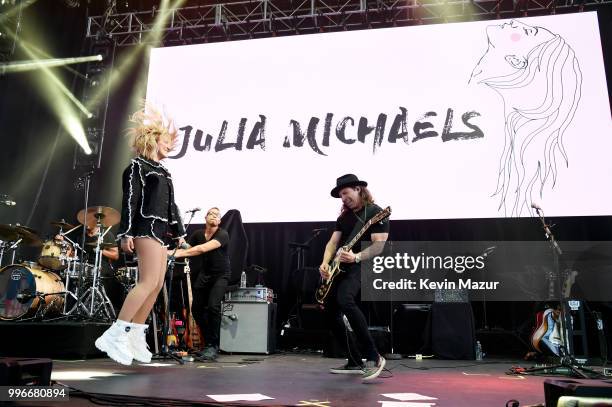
<point x="366" y="199"/>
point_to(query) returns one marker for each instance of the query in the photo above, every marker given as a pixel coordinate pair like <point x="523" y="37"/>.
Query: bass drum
<point x="19" y="286"/>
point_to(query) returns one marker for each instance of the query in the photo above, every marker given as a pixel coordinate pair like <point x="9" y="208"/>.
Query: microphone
<point x="24" y="297"/>
<point x="185" y="246"/>
<point x="488" y="251"/>
<point x="194" y="210"/>
<point x="233" y="317"/>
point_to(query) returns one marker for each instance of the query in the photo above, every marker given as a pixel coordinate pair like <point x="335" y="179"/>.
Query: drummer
<point x="109" y="249"/>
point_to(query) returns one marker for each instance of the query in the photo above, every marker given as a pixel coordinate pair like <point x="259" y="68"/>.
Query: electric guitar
<point x="549" y="324"/>
<point x="193" y="338"/>
<point x="334" y="265"/>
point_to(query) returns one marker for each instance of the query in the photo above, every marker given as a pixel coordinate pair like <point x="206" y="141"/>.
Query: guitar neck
<point x="376" y="218"/>
<point x="188" y="274"/>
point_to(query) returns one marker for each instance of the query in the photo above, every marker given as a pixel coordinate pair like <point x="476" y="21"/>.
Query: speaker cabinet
<point x="248" y="327"/>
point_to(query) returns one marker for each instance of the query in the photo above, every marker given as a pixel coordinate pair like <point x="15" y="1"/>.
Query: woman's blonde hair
<point x="148" y="128"/>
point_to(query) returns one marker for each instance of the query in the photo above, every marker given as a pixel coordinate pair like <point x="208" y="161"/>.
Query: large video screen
<point x="461" y="120"/>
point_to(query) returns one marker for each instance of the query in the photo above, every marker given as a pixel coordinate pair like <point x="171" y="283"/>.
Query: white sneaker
<point x="138" y="343"/>
<point x="116" y="342"/>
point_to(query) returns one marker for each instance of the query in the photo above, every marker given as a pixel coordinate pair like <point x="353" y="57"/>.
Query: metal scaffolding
<point x="261" y="18"/>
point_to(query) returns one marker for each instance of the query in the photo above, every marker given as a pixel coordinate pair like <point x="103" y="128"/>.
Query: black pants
<point x="206" y="308"/>
<point x="343" y="300"/>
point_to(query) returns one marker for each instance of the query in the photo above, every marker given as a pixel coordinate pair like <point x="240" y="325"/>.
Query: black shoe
<point x="373" y="369"/>
<point x="347" y="369"/>
<point x="209" y="353"/>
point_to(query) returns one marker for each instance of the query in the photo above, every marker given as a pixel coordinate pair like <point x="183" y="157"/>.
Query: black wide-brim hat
<point x="347" y="180"/>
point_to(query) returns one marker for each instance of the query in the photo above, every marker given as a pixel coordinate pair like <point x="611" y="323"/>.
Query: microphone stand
<point x="165" y="353"/>
<point x="86" y="177"/>
<point x="392" y="355"/>
<point x="300" y="249"/>
<point x="567" y="362"/>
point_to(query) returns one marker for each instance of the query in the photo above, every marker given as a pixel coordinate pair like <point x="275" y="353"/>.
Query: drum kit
<point x="60" y="284"/>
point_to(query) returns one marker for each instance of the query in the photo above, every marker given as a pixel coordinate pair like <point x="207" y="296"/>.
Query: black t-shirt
<point x="346" y="223"/>
<point x="213" y="263"/>
<point x="90" y="249"/>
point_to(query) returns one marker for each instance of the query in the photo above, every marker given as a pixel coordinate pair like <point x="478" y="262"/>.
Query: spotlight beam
<point x="23" y="66"/>
<point x="54" y="91"/>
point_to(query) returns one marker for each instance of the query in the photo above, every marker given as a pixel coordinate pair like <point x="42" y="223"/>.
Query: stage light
<point x="15" y="9"/>
<point x="72" y="3"/>
<point x="114" y="77"/>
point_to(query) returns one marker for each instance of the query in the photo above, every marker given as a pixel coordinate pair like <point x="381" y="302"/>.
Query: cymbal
<point x="62" y="224"/>
<point x="11" y="233"/>
<point x="102" y="246"/>
<point x="108" y="216"/>
<point x="8" y="233"/>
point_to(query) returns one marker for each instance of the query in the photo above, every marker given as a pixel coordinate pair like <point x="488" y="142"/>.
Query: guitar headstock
<point x="385" y="213"/>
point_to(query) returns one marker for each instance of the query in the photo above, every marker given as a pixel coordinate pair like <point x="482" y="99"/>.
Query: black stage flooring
<point x="303" y="379"/>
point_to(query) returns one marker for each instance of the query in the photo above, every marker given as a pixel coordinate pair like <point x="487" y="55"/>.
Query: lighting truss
<point x="249" y="19"/>
<point x="10" y="22"/>
<point x="95" y="124"/>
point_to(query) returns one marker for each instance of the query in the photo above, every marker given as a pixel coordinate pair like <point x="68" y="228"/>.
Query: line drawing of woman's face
<point x="509" y="45"/>
<point x="538" y="77"/>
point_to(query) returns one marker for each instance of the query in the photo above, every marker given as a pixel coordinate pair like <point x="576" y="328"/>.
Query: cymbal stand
<point x="3" y="245"/>
<point x="13" y="248"/>
<point x="97" y="291"/>
<point x="71" y="271"/>
<point x="83" y="182"/>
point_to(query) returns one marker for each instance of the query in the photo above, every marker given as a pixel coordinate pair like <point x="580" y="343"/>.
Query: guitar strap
<point x="370" y="211"/>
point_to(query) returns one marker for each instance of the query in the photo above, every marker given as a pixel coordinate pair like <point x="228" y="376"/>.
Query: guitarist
<point x="211" y="268"/>
<point x="357" y="207"/>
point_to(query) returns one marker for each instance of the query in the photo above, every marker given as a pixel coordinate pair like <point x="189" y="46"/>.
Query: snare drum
<point x="77" y="267"/>
<point x="20" y="288"/>
<point x="127" y="276"/>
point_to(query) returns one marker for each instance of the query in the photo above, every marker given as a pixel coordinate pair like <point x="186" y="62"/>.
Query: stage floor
<point x="303" y="379"/>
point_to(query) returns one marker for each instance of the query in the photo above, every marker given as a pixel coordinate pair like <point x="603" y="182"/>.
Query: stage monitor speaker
<point x="571" y="401"/>
<point x="452" y="331"/>
<point x="555" y="389"/>
<point x="248" y="327"/>
<point x="409" y="325"/>
<point x="25" y="372"/>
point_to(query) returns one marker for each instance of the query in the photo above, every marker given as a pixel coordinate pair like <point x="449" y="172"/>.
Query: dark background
<point x="36" y="170"/>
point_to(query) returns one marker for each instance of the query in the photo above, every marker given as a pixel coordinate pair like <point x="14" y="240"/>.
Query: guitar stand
<point x="164" y="352"/>
<point x="567" y="364"/>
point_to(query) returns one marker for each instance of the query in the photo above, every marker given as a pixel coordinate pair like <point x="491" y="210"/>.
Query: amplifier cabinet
<point x="248" y="327"/>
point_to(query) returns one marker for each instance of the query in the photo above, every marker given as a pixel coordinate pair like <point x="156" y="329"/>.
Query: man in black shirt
<point x="109" y="251"/>
<point x="211" y="272"/>
<point x="110" y="254"/>
<point x="357" y="208"/>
